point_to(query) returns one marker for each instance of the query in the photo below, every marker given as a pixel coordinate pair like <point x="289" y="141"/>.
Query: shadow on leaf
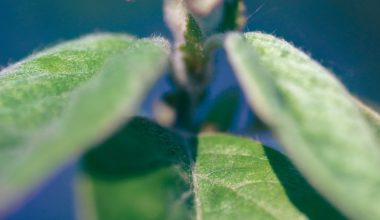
<point x="299" y="191"/>
<point x="142" y="172"/>
<point x="140" y="147"/>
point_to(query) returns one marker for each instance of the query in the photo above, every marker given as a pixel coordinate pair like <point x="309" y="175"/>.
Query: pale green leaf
<point x="371" y="115"/>
<point x="148" y="172"/>
<point x="59" y="101"/>
<point x="315" y="118"/>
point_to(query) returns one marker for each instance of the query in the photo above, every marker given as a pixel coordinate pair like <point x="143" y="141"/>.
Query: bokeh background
<point x="344" y="35"/>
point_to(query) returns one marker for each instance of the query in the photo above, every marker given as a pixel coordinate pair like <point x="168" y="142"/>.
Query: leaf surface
<point x="141" y="172"/>
<point x="371" y="115"/>
<point x="62" y="100"/>
<point x="148" y="172"/>
<point x="315" y="118"/>
<point x="237" y="178"/>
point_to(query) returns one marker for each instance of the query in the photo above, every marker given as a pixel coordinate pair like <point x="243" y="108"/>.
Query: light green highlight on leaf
<point x="63" y="100"/>
<point x="35" y="90"/>
<point x="314" y="117"/>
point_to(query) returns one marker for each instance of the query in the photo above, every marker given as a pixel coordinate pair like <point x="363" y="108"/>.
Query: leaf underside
<point x="165" y="176"/>
<point x="315" y="118"/>
<point x="62" y="100"/>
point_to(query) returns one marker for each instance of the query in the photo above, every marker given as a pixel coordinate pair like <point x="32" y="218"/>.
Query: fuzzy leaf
<point x="315" y="118"/>
<point x="148" y="172"/>
<point x="62" y="100"/>
<point x="189" y="60"/>
<point x="371" y="115"/>
<point x="194" y="43"/>
<point x="237" y="178"/>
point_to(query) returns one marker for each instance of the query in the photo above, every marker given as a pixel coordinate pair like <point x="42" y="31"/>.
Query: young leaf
<point x="190" y="62"/>
<point x="217" y="16"/>
<point x="60" y="101"/>
<point x="314" y="117"/>
<point x="193" y="24"/>
<point x="148" y="172"/>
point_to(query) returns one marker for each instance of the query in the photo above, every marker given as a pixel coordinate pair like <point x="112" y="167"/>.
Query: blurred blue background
<point x="344" y="35"/>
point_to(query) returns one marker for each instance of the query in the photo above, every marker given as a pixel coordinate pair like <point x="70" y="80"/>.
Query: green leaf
<point x="237" y="178"/>
<point x="148" y="172"/>
<point x="315" y="118"/>
<point x="62" y="100"/>
<point x="141" y="172"/>
<point x="373" y="117"/>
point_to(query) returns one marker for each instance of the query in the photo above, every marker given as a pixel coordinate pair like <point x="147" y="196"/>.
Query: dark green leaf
<point x="142" y="172"/>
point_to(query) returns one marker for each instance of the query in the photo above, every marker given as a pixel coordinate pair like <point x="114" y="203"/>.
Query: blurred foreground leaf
<point x="148" y="172"/>
<point x="60" y="101"/>
<point x="315" y="118"/>
<point x="371" y="115"/>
